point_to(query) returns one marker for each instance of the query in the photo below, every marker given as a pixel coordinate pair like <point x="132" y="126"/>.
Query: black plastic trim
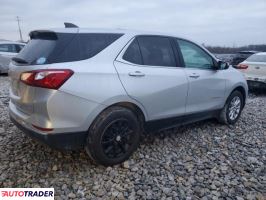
<point x="60" y="141"/>
<point x="161" y="124"/>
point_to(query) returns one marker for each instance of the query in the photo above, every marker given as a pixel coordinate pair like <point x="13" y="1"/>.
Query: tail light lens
<point x="42" y="129"/>
<point x="242" y="66"/>
<point x="47" y="78"/>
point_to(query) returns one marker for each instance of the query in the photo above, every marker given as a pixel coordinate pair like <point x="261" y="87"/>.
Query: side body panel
<point x="206" y="89"/>
<point x="234" y="79"/>
<point x="162" y="90"/>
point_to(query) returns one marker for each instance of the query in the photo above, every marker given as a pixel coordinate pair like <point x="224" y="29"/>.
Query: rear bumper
<point x="61" y="141"/>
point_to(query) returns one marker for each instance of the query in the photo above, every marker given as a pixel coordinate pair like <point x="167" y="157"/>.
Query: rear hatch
<point x="44" y="48"/>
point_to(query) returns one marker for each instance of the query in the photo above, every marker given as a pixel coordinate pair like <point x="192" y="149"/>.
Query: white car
<point x="254" y="69"/>
<point x="8" y="49"/>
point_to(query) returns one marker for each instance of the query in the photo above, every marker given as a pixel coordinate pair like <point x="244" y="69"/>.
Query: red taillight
<point x="46" y="78"/>
<point x="42" y="129"/>
<point x="242" y="66"/>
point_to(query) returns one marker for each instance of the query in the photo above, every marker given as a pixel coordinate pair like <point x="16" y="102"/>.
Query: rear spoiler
<point x="43" y="34"/>
<point x="47" y="34"/>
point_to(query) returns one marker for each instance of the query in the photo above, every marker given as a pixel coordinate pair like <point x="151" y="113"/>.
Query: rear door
<point x="151" y="74"/>
<point x="206" y="85"/>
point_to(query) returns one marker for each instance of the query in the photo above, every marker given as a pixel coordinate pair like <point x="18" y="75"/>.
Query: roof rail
<point x="70" y="25"/>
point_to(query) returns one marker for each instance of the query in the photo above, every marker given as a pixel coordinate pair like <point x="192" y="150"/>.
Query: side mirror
<point x="220" y="65"/>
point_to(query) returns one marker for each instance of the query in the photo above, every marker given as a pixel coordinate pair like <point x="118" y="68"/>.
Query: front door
<point x="206" y="85"/>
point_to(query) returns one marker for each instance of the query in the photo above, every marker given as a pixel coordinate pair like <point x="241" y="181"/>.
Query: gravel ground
<point x="204" y="160"/>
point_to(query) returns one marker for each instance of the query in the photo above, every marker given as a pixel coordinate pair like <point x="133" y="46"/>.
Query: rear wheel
<point x="232" y="109"/>
<point x="113" y="136"/>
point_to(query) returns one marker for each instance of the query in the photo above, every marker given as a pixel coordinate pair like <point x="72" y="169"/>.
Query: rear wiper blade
<point x="19" y="60"/>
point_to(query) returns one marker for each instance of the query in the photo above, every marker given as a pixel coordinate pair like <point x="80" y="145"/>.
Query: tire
<point x="115" y="131"/>
<point x="225" y="116"/>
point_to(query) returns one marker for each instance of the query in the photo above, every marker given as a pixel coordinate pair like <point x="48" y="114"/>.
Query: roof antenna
<point x="70" y="25"/>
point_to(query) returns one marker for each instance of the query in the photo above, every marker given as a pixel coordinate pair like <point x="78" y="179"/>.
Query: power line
<point x="19" y="29"/>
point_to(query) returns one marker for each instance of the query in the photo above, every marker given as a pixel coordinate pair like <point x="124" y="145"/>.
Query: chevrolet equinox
<point x="101" y="89"/>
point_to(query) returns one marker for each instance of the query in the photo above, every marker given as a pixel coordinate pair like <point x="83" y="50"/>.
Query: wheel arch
<point x="242" y="90"/>
<point x="133" y="107"/>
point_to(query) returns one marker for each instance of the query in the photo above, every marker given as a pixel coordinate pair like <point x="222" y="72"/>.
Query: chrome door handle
<point x="194" y="76"/>
<point x="136" y="73"/>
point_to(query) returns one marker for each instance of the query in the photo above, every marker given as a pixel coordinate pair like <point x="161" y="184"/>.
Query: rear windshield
<point x="47" y="48"/>
<point x="257" y="58"/>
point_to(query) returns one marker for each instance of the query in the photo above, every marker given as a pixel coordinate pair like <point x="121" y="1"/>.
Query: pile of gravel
<point x="204" y="160"/>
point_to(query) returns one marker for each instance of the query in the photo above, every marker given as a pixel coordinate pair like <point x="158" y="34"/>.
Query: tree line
<point x="231" y="50"/>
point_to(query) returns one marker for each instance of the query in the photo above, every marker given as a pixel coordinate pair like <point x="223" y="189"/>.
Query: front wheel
<point x="113" y="136"/>
<point x="232" y="109"/>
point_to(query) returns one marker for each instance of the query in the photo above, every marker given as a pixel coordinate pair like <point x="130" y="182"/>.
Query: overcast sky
<point x="213" y="22"/>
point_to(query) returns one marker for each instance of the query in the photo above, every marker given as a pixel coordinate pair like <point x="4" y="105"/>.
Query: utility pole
<point x="19" y="29"/>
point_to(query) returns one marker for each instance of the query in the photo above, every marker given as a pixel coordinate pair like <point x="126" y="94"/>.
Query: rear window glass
<point x="37" y="50"/>
<point x="64" y="47"/>
<point x="156" y="51"/>
<point x="257" y="58"/>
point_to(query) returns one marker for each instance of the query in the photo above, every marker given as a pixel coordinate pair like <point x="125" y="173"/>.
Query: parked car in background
<point x="254" y="69"/>
<point x="225" y="57"/>
<point x="241" y="56"/>
<point x="8" y="49"/>
<point x="101" y="89"/>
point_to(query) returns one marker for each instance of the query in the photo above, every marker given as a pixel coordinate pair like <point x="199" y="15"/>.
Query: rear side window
<point x="132" y="53"/>
<point x="156" y="51"/>
<point x="50" y="47"/>
<point x="93" y="43"/>
<point x="66" y="49"/>
<point x="257" y="58"/>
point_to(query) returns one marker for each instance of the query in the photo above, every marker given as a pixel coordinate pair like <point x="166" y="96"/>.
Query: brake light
<point x="46" y="78"/>
<point x="42" y="129"/>
<point x="241" y="66"/>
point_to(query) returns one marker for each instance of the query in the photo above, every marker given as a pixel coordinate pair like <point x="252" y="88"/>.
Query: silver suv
<point x="101" y="89"/>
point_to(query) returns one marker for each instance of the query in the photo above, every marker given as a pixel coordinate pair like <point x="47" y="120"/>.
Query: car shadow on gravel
<point x="66" y="161"/>
<point x="28" y="163"/>
<point x="4" y="75"/>
<point x="40" y="160"/>
<point x="257" y="92"/>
